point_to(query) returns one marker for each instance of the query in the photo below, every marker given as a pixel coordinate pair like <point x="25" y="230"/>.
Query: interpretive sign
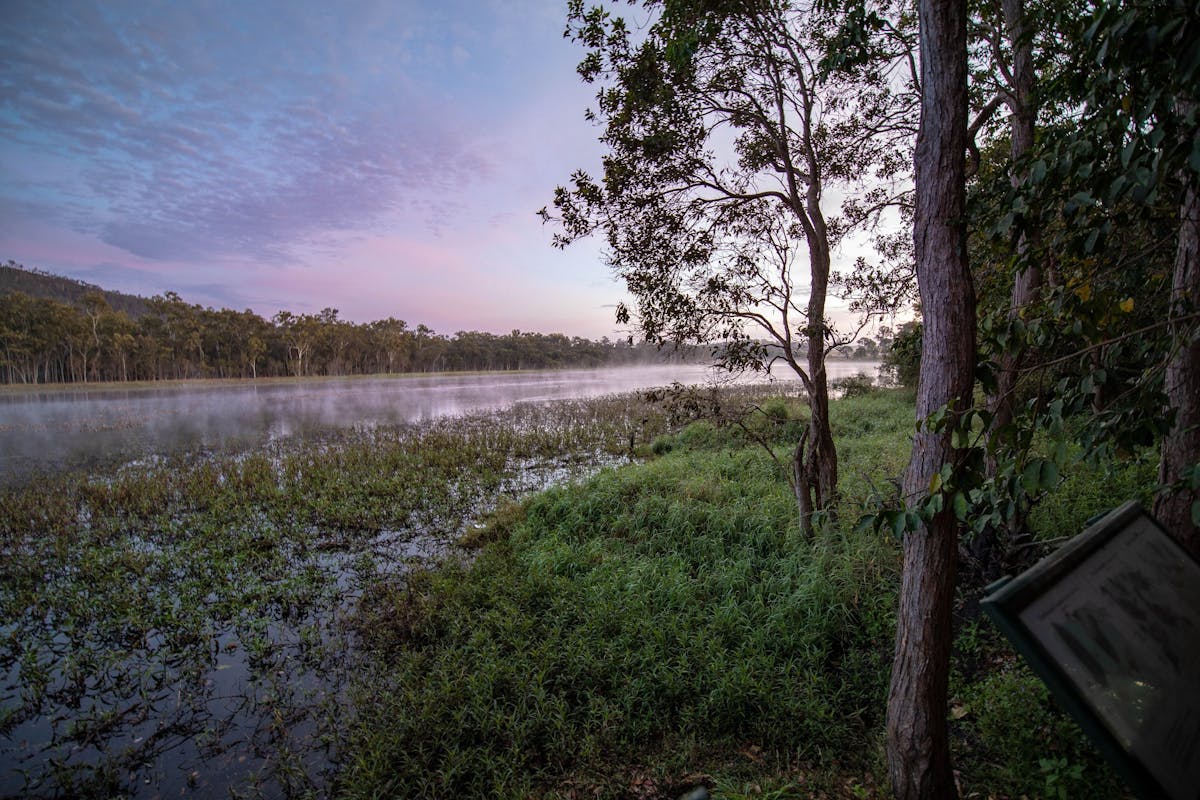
<point x="1111" y="623"/>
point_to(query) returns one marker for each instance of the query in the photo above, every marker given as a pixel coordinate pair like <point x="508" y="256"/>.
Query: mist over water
<point x="49" y="430"/>
<point x="254" y="701"/>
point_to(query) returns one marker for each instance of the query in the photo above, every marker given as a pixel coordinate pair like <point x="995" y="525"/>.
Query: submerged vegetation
<point x="299" y="620"/>
<point x="196" y="602"/>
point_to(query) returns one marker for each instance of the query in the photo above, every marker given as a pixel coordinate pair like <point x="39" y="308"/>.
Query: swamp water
<point x="181" y="622"/>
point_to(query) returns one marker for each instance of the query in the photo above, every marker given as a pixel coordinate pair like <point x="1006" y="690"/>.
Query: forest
<point x="56" y="330"/>
<point x="84" y="340"/>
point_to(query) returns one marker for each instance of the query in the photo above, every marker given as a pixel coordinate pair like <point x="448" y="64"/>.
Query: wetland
<point x="182" y="568"/>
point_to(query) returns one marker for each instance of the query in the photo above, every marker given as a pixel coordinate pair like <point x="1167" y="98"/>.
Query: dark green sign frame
<point x="1111" y="623"/>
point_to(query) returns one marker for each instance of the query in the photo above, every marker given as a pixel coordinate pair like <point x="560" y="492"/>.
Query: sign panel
<point x="1111" y="623"/>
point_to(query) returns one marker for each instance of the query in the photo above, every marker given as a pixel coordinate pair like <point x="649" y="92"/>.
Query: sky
<point x="382" y="157"/>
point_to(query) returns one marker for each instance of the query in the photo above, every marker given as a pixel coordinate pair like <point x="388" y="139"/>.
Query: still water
<point x="158" y="722"/>
<point x="48" y="430"/>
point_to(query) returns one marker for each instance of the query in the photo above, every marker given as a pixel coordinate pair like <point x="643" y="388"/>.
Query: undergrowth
<point x="662" y="615"/>
<point x="655" y="627"/>
<point x="664" y="625"/>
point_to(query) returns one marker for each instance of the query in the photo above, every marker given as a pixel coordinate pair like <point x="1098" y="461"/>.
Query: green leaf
<point x="935" y="483"/>
<point x="1031" y="477"/>
<point x="937" y="420"/>
<point x="960" y="439"/>
<point x="961" y="507"/>
<point x="1048" y="477"/>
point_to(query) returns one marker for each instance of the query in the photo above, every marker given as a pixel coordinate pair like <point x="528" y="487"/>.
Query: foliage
<point x="902" y="360"/>
<point x="1013" y="742"/>
<point x="1092" y="206"/>
<point x="665" y="615"/>
<point x="858" y="385"/>
<point x="43" y="340"/>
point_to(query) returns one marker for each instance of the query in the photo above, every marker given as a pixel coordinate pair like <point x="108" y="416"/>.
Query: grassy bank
<point x="654" y="626"/>
<point x="664" y="625"/>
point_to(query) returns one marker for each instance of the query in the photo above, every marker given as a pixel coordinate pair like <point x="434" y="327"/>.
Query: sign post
<point x="1111" y="623"/>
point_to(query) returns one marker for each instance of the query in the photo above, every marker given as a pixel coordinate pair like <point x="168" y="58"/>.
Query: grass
<point x="656" y="625"/>
<point x="645" y="629"/>
<point x="668" y="611"/>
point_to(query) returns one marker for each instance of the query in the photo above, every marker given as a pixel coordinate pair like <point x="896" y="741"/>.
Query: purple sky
<point x="384" y="158"/>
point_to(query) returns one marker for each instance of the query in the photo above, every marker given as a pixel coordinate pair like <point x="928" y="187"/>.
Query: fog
<point x="55" y="429"/>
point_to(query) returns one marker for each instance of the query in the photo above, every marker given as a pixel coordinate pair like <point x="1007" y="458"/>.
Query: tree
<point x="393" y="340"/>
<point x="917" y="738"/>
<point x="725" y="140"/>
<point x="1016" y="90"/>
<point x="1111" y="190"/>
<point x="300" y="334"/>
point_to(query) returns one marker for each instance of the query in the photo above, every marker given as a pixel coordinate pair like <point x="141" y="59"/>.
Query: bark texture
<point x="918" y="750"/>
<point x="821" y="463"/>
<point x="1028" y="281"/>
<point x="1181" y="447"/>
<point x="990" y="550"/>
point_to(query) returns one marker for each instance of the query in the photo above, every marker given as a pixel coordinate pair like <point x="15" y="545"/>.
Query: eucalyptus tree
<point x="1006" y="33"/>
<point x="728" y="150"/>
<point x="917" y="736"/>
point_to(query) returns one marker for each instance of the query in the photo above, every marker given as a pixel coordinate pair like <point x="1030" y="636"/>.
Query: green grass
<point x="658" y="619"/>
<point x="652" y="627"/>
<point x="664" y="614"/>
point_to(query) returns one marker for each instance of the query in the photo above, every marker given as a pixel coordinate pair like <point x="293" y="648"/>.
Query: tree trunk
<point x="989" y="551"/>
<point x="917" y="742"/>
<point x="822" y="454"/>
<point x="1181" y="447"/>
<point x="821" y="457"/>
<point x="1027" y="282"/>
<point x="800" y="483"/>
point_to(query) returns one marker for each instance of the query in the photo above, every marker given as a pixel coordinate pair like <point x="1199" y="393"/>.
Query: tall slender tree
<point x="726" y="140"/>
<point x="917" y="738"/>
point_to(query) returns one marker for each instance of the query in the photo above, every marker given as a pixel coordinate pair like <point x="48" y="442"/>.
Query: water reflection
<point x="65" y="429"/>
<point x="250" y="703"/>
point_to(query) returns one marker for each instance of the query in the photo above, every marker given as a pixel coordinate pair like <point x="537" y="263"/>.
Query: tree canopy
<point x="728" y="145"/>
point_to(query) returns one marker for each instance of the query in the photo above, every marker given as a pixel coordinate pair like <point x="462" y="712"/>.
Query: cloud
<point x="228" y="133"/>
<point x="379" y="156"/>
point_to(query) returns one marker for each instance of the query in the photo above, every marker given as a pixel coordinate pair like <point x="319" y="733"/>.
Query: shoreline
<point x="292" y="380"/>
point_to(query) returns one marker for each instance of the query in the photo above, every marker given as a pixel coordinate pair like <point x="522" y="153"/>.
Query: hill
<point x="17" y="278"/>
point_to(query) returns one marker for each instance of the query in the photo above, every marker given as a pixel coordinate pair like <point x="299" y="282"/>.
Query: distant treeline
<point x="48" y="340"/>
